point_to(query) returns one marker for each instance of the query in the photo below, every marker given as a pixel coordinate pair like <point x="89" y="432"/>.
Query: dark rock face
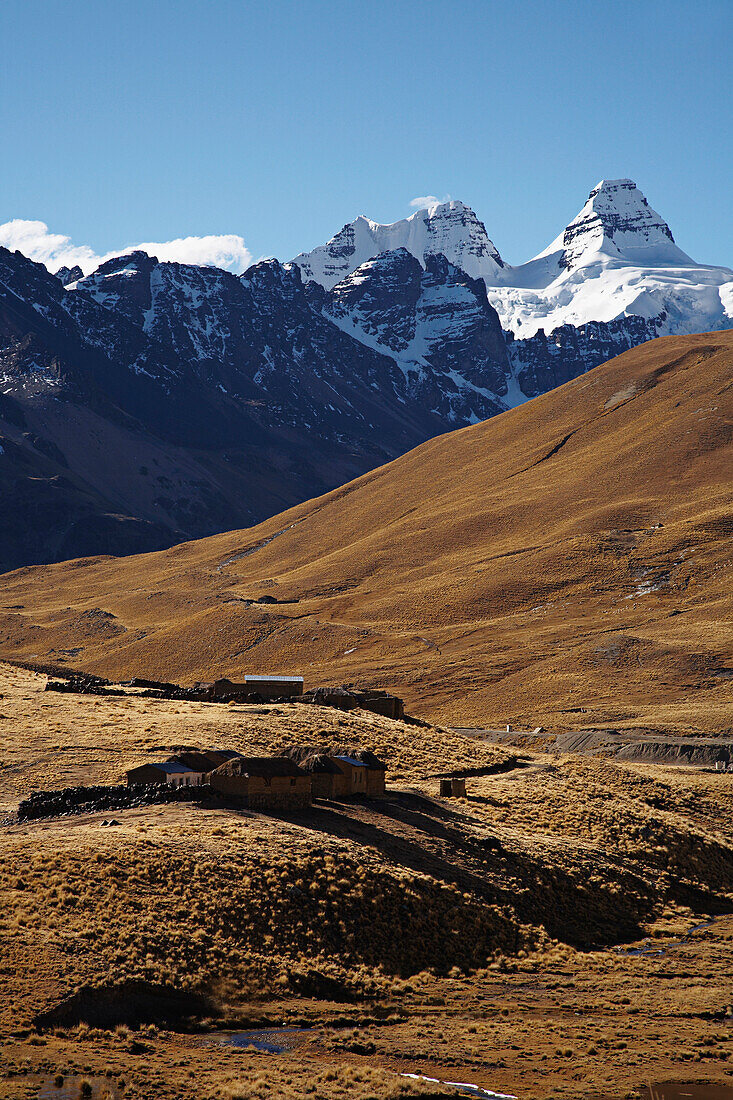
<point x="255" y="342"/>
<point x="159" y="402"/>
<point x="437" y="323"/>
<point x="469" y="339"/>
<point x="545" y="361"/>
<point x="380" y="298"/>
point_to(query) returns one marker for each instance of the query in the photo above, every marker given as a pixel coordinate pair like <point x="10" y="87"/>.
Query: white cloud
<point x="34" y="240"/>
<point x="52" y="249"/>
<point x="227" y="250"/>
<point x="423" y="201"/>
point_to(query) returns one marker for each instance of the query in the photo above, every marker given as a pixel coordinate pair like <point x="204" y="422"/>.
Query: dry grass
<point x="446" y="934"/>
<point x="563" y="555"/>
<point x="486" y="580"/>
<point x="53" y="740"/>
<point x="332" y="1083"/>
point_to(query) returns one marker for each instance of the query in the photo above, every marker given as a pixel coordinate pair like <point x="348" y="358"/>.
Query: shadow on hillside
<point x="578" y="905"/>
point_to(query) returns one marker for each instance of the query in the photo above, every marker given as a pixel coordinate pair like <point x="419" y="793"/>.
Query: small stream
<point x="648" y="947"/>
<point x="279" y="1040"/>
<point x="462" y="1087"/>
<point x="269" y="1040"/>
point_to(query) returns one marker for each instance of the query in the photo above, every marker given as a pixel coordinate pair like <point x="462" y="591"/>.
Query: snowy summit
<point x="616" y="259"/>
<point x="448" y="228"/>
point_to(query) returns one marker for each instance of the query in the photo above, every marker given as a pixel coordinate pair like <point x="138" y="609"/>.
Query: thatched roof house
<point x="348" y="697"/>
<point x="204" y="760"/>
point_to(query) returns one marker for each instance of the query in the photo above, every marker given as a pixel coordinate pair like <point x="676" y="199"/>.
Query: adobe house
<point x="355" y="776"/>
<point x="327" y="778"/>
<point x="381" y="702"/>
<point x="169" y="771"/>
<point x="274" y="686"/>
<point x="376" y="773"/>
<point x="349" y="698"/>
<point x="263" y="782"/>
<point x="453" y="788"/>
<point x="266" y="687"/>
<point x="359" y="772"/>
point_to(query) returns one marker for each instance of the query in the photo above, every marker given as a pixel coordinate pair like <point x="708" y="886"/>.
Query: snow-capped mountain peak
<point x="618" y="221"/>
<point x="447" y="228"/>
<point x="617" y="259"/>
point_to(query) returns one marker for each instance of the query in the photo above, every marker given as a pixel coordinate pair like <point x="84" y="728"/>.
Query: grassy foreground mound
<point x="410" y="934"/>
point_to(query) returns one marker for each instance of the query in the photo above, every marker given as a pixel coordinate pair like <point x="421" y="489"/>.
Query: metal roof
<point x="279" y="679"/>
<point x="351" y="760"/>
<point x="169" y="766"/>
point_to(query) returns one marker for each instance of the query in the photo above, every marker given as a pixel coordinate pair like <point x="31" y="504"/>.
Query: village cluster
<point x="289" y="781"/>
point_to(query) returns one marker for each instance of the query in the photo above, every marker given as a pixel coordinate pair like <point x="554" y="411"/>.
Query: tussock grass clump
<point x="333" y="1082"/>
<point x="248" y="924"/>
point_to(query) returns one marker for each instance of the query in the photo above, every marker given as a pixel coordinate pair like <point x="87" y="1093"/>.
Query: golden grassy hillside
<point x="567" y="563"/>
<point x="474" y="939"/>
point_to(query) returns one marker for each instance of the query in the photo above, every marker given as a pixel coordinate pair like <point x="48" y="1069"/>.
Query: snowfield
<point x="616" y="259"/>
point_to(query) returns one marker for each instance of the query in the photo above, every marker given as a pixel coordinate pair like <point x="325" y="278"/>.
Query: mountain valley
<point x="549" y="590"/>
<point x="565" y="563"/>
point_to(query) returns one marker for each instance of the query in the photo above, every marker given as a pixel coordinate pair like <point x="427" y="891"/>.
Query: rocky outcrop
<point x="548" y="360"/>
<point x="68" y="275"/>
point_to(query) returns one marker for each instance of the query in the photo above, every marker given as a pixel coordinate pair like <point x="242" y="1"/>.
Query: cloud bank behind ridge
<point x="34" y="239"/>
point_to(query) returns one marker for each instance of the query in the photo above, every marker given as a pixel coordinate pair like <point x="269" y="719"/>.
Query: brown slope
<point x="572" y="553"/>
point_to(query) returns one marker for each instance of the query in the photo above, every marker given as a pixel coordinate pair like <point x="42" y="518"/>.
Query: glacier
<point x="617" y="258"/>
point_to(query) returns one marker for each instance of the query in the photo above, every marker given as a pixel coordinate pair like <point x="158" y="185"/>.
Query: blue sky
<point x="125" y="121"/>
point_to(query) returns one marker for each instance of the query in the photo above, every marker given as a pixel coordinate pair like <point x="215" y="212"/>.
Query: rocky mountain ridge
<point x="617" y="258"/>
<point x="152" y="403"/>
<point x="148" y="403"/>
